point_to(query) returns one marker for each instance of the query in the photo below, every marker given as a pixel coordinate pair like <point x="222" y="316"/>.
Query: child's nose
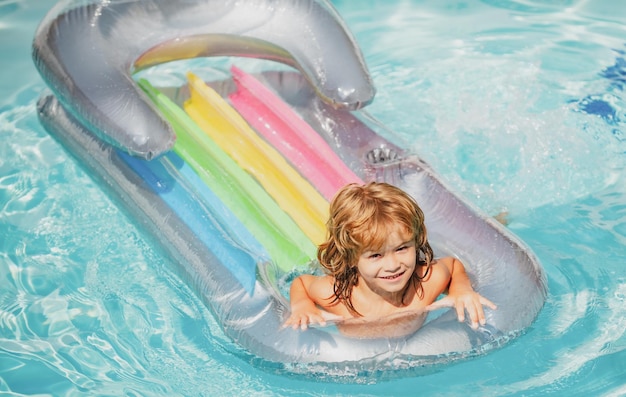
<point x="392" y="263"/>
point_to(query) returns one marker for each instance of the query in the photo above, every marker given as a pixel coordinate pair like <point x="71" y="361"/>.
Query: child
<point x="379" y="265"/>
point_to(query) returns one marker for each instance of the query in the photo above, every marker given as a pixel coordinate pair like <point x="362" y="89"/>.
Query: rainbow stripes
<point x="267" y="168"/>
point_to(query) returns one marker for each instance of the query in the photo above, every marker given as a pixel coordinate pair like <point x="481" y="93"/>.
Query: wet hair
<point x="361" y="217"/>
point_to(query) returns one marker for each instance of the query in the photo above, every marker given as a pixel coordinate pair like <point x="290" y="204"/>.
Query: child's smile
<point x="394" y="277"/>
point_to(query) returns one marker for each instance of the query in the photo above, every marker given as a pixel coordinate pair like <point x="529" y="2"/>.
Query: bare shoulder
<point x="438" y="279"/>
<point x="444" y="265"/>
<point x="440" y="268"/>
<point x="318" y="281"/>
<point x="319" y="288"/>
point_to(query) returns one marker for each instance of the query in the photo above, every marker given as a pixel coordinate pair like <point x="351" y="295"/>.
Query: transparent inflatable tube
<point x="87" y="50"/>
<point x="500" y="266"/>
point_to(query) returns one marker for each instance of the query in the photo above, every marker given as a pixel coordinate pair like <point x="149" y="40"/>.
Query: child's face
<point x="386" y="271"/>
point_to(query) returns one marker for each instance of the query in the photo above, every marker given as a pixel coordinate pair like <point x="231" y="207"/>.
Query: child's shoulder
<point x="438" y="267"/>
<point x="443" y="264"/>
<point x="439" y="275"/>
<point x="318" y="283"/>
<point x="439" y="272"/>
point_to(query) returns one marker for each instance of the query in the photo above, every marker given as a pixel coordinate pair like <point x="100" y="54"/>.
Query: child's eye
<point x="374" y="256"/>
<point x="402" y="248"/>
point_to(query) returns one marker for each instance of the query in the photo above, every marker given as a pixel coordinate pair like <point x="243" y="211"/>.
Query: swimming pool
<point x="519" y="105"/>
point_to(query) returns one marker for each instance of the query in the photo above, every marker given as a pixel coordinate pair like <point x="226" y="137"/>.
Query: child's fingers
<point x="486" y="302"/>
<point x="477" y="316"/>
<point x="460" y="312"/>
<point x="469" y="303"/>
<point x="296" y="322"/>
<point x="303" y="321"/>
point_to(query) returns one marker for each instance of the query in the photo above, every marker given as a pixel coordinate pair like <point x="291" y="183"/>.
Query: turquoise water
<point x="519" y="105"/>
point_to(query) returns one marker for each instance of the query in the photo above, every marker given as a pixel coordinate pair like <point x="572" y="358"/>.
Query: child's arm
<point x="462" y="296"/>
<point x="305" y="291"/>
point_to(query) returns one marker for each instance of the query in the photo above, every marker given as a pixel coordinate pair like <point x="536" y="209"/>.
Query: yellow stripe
<point x="224" y="125"/>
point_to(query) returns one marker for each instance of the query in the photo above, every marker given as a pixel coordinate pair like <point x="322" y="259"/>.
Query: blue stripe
<point x="203" y="212"/>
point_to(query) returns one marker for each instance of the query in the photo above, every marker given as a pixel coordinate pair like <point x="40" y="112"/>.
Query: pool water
<point x="518" y="104"/>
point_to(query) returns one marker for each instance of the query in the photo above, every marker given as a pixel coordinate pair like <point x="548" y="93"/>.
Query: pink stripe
<point x="289" y="134"/>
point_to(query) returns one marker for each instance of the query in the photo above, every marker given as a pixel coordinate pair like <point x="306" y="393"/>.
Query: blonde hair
<point x="360" y="218"/>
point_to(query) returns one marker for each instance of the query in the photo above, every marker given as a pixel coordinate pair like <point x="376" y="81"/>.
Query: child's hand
<point x="306" y="304"/>
<point x="469" y="301"/>
<point x="302" y="319"/>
